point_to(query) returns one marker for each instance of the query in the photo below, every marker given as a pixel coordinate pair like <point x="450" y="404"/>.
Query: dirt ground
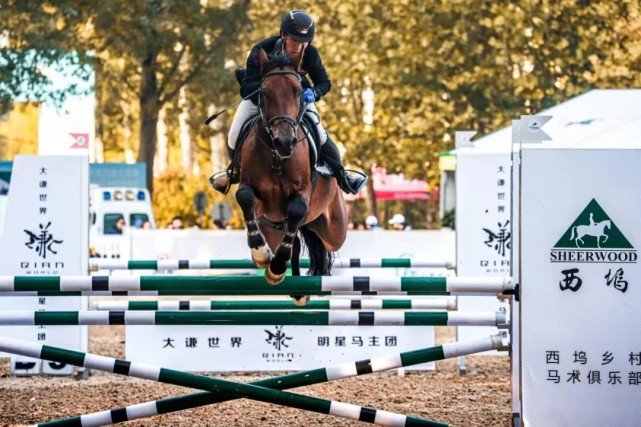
<point x="480" y="398"/>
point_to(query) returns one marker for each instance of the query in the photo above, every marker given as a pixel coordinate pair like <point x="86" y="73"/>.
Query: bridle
<point x="267" y="122"/>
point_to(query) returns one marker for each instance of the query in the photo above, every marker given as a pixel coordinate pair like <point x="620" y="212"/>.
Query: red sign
<point x="396" y="187"/>
<point x="81" y="140"/>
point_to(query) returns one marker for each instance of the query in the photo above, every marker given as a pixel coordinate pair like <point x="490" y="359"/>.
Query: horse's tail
<point x="320" y="259"/>
<point x="572" y="233"/>
<point x="296" y="256"/>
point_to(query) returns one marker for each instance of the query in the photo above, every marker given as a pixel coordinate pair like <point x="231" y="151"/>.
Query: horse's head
<point x="280" y="103"/>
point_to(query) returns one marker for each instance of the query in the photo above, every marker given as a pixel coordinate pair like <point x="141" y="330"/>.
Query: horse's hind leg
<point x="261" y="254"/>
<point x="296" y="212"/>
<point x="299" y="300"/>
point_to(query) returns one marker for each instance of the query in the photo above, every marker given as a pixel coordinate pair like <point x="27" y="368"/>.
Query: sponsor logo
<point x="278" y="339"/>
<point x="593" y="237"/>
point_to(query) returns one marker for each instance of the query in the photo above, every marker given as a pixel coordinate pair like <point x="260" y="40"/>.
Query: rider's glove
<point x="308" y="96"/>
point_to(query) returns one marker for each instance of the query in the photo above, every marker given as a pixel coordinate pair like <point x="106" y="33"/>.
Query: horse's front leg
<point x="296" y="213"/>
<point x="261" y="254"/>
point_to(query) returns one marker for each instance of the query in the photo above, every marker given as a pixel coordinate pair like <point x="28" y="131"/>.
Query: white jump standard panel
<point x="581" y="288"/>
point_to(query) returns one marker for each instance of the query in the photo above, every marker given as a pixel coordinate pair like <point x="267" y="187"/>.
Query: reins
<point x="267" y="122"/>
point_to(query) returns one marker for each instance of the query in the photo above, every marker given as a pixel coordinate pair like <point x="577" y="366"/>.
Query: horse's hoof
<point x="262" y="256"/>
<point x="300" y="300"/>
<point x="273" y="279"/>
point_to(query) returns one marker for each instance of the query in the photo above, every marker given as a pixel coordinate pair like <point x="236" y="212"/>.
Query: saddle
<point x="317" y="165"/>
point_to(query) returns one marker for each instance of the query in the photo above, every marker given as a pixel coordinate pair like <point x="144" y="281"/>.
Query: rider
<point x="296" y="34"/>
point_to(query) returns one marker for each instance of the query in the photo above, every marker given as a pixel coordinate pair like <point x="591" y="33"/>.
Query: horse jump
<point x="302" y="318"/>
<point x="239" y="285"/>
<point x="205" y="264"/>
<point x="264" y="390"/>
<point x="334" y="304"/>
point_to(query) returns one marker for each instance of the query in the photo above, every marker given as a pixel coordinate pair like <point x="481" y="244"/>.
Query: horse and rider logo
<point x="593" y="237"/>
<point x="595" y="229"/>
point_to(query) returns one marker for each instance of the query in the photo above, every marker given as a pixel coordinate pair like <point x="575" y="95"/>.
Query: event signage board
<point x="69" y="129"/>
<point x="272" y="347"/>
<point x="254" y="348"/>
<point x="581" y="287"/>
<point x="483" y="229"/>
<point x="45" y="232"/>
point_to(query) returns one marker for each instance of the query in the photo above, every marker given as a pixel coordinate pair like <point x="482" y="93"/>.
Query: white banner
<point x="46" y="232"/>
<point x="483" y="229"/>
<point x="581" y="288"/>
<point x="312" y="346"/>
<point x="269" y="348"/>
<point x="68" y="130"/>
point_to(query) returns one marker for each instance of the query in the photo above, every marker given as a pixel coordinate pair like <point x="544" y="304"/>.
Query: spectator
<point x="398" y="223"/>
<point x="118" y="227"/>
<point x="218" y="225"/>
<point x="176" y="223"/>
<point x="371" y="223"/>
<point x="146" y="225"/>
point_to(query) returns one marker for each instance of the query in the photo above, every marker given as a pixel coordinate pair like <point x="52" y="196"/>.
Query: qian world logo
<point x="593" y="237"/>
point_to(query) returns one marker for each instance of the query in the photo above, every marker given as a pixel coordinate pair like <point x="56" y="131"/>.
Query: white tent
<point x="608" y="118"/>
<point x="598" y="117"/>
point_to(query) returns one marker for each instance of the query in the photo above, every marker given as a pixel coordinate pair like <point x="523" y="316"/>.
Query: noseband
<point x="268" y="122"/>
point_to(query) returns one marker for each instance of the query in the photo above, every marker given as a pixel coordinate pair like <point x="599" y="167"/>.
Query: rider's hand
<point x="308" y="96"/>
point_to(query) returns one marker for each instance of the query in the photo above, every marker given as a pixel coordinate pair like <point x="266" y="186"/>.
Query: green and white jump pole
<point x="229" y="318"/>
<point x="254" y="285"/>
<point x="345" y="370"/>
<point x="228" y="389"/>
<point x="346" y="304"/>
<point x="205" y="264"/>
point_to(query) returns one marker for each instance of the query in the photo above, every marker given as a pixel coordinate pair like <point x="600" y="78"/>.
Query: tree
<point x="37" y="36"/>
<point x="154" y="48"/>
<point x="462" y="65"/>
<point x="148" y="49"/>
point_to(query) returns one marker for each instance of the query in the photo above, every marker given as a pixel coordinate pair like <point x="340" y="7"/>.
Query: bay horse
<point x="276" y="193"/>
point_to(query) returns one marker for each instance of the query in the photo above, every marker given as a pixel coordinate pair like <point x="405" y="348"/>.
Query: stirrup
<point x="345" y="184"/>
<point x="217" y="177"/>
<point x="232" y="175"/>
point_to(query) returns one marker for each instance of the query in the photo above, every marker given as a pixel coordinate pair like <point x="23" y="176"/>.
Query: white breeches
<point x="247" y="109"/>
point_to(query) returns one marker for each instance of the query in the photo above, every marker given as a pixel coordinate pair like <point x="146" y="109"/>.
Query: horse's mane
<point x="279" y="59"/>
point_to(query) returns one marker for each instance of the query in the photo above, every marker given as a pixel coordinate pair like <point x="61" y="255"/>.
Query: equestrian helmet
<point x="298" y="25"/>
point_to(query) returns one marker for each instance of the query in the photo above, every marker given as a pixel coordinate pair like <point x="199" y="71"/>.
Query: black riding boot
<point x="223" y="183"/>
<point x="348" y="183"/>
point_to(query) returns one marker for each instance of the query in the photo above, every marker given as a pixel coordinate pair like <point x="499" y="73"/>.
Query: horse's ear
<point x="263" y="60"/>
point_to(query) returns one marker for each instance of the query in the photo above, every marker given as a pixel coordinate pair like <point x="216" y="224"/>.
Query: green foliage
<point x="431" y="68"/>
<point x="37" y="36"/>
<point x="174" y="196"/>
<point x="462" y="65"/>
<point x="449" y="219"/>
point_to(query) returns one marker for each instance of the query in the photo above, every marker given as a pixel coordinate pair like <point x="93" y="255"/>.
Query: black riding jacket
<point x="312" y="66"/>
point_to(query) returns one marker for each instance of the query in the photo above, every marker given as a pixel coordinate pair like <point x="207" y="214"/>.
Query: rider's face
<point x="294" y="47"/>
